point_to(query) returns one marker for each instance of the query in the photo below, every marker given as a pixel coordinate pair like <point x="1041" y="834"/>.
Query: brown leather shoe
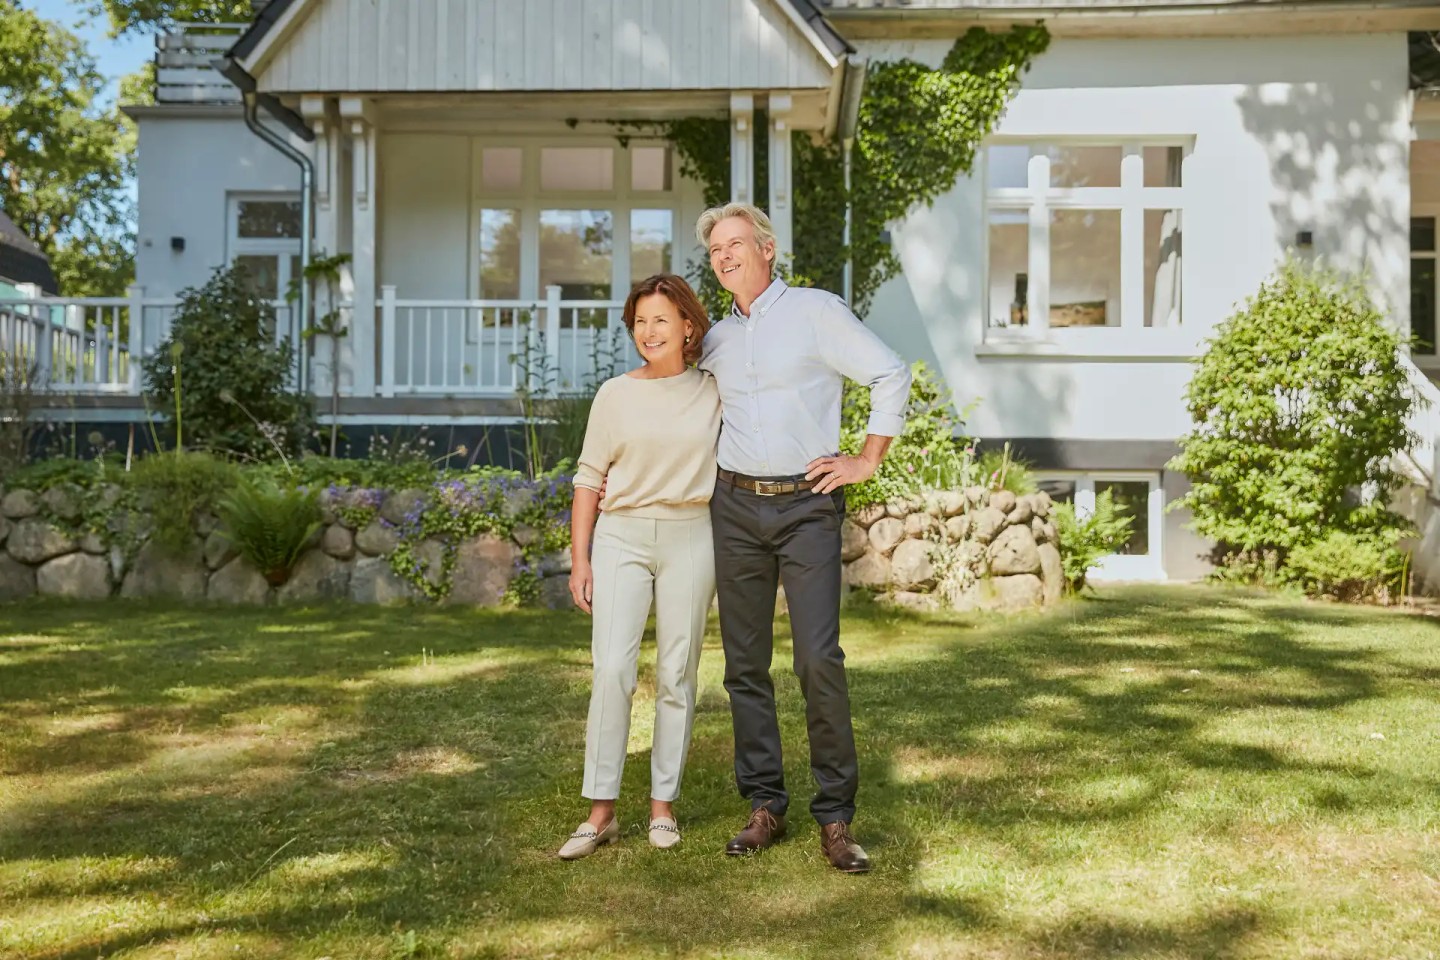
<point x="841" y="849"/>
<point x="763" y="829"/>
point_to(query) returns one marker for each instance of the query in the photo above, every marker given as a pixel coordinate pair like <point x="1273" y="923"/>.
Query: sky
<point x="115" y="57"/>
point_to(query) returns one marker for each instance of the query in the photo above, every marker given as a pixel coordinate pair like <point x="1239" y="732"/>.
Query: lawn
<point x="1153" y="773"/>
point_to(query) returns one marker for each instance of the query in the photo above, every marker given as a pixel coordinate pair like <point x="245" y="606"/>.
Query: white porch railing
<point x="480" y="347"/>
<point x="183" y="55"/>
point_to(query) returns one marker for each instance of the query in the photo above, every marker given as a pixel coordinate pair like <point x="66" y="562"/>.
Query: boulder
<point x="17" y="580"/>
<point x="374" y="582"/>
<point x="524" y="534"/>
<point x="19" y="504"/>
<point x="92" y="542"/>
<point x="158" y="572"/>
<point x="338" y="542"/>
<point x="1038" y="530"/>
<point x="897" y="509"/>
<point x="953" y="503"/>
<point x="985" y="523"/>
<point x="238" y="582"/>
<point x="219" y="550"/>
<point x="517" y="500"/>
<point x="1022" y="514"/>
<point x="957" y="528"/>
<point x="1013" y="552"/>
<point x="934" y="505"/>
<point x="206" y="524"/>
<point x="909" y="600"/>
<point x="5" y="526"/>
<point x="316" y="577"/>
<point x="910" y="566"/>
<point x="63" y="500"/>
<point x="555" y="563"/>
<point x="377" y="540"/>
<point x="853" y="540"/>
<point x="555" y="593"/>
<point x="868" y="514"/>
<point x="33" y="540"/>
<point x="921" y="525"/>
<point x="1052" y="572"/>
<point x="430" y="558"/>
<point x="402" y="504"/>
<point x="975" y="496"/>
<point x="483" y="569"/>
<point x="1002" y="500"/>
<point x="75" y="576"/>
<point x="885" y="535"/>
<point x="1041" y="503"/>
<point x="1012" y="594"/>
<point x="870" y="572"/>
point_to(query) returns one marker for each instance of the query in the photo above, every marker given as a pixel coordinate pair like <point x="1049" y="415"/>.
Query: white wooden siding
<point x="501" y="45"/>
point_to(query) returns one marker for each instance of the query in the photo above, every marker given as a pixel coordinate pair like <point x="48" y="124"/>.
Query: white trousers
<point x="635" y="561"/>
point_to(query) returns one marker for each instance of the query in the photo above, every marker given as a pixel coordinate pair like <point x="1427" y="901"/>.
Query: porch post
<point x="359" y="113"/>
<point x="319" y="113"/>
<point x="781" y="208"/>
<point x="742" y="148"/>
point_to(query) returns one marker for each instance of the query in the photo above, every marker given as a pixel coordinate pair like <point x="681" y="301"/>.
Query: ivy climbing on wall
<point x="920" y="129"/>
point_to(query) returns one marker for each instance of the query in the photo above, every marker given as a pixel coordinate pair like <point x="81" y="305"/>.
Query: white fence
<point x="183" y="57"/>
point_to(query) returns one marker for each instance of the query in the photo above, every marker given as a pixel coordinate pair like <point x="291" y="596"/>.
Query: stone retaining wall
<point x="971" y="549"/>
<point x="342" y="563"/>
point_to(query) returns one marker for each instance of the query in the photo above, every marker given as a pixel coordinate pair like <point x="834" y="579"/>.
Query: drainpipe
<point x="854" y="86"/>
<point x="254" y="100"/>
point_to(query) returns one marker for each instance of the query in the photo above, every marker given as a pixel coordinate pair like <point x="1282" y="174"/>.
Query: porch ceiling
<point x="502" y="46"/>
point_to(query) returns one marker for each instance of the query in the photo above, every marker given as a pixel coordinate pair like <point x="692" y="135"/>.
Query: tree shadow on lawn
<point x="436" y="808"/>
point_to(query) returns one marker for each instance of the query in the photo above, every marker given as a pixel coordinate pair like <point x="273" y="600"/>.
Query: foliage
<point x="176" y="488"/>
<point x="127" y="16"/>
<point x="322" y="273"/>
<point x="485" y="501"/>
<point x="1084" y="540"/>
<point x="64" y="162"/>
<point x="1352" y="567"/>
<point x="237" y="395"/>
<point x="270" y="524"/>
<point x="1002" y="470"/>
<point x="17" y="401"/>
<point x="554" y="415"/>
<point x="1300" y="403"/>
<point x="928" y="455"/>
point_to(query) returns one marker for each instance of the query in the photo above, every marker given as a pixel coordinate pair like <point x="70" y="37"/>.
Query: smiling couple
<point x="726" y="476"/>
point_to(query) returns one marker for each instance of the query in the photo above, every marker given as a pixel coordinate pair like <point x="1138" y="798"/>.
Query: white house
<point x="1157" y="163"/>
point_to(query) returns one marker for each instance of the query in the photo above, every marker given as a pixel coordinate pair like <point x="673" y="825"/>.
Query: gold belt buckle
<point x="766" y="488"/>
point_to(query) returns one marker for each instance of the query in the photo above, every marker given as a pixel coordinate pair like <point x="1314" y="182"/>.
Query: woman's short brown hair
<point x="678" y="292"/>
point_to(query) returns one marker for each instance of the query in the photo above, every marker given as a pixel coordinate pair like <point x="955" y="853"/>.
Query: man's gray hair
<point x="764" y="232"/>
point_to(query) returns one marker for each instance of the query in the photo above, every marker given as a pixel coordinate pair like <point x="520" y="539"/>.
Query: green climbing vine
<point x="920" y="129"/>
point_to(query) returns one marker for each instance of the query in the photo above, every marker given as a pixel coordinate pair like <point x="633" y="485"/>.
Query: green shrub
<point x="1002" y="470"/>
<point x="928" y="455"/>
<point x="176" y="488"/>
<point x="1082" y="542"/>
<point x="270" y="524"/>
<point x="1349" y="566"/>
<point x="224" y="377"/>
<point x="1300" y="401"/>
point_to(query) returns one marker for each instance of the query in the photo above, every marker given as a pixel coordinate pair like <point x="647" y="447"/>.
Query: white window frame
<point x="530" y="200"/>
<point x="1117" y="566"/>
<point x="1427" y="361"/>
<point x="1132" y="199"/>
<point x="282" y="248"/>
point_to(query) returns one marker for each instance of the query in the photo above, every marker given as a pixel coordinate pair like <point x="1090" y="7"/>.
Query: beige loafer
<point x="586" y="840"/>
<point x="664" y="833"/>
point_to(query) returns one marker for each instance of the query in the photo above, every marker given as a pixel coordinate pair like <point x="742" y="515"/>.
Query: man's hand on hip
<point x="831" y="473"/>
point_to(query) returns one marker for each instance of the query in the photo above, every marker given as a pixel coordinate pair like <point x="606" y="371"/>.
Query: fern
<point x="1084" y="541"/>
<point x="270" y="525"/>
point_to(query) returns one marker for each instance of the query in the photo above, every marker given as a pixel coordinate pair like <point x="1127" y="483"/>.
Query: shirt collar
<point x="763" y="302"/>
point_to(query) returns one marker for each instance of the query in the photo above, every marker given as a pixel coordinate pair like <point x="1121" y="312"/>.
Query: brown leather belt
<point x="765" y="488"/>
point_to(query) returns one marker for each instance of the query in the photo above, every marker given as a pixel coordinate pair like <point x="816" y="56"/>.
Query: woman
<point x="651" y="442"/>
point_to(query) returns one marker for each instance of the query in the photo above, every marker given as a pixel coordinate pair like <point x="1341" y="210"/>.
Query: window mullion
<point x="1038" y="296"/>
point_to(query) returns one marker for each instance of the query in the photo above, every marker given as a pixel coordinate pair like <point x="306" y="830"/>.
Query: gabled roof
<point x="21" y="260"/>
<point x="806" y="14"/>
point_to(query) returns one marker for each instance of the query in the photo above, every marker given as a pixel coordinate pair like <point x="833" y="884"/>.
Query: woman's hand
<point x="582" y="584"/>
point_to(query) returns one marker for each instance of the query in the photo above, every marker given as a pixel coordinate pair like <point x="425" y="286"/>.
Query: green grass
<point x="1155" y="773"/>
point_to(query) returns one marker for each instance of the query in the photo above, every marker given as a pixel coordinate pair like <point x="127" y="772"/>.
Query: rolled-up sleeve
<point x="596" y="454"/>
<point x="854" y="350"/>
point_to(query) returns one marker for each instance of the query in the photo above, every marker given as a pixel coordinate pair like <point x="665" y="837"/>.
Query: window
<point x="1139" y="496"/>
<point x="1423" y="300"/>
<point x="1083" y="235"/>
<point x="577" y="169"/>
<point x="500" y="254"/>
<point x="576" y="252"/>
<point x="264" y="242"/>
<point x="651" y="238"/>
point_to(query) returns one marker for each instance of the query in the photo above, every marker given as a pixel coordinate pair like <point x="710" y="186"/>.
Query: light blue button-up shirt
<point x="780" y="373"/>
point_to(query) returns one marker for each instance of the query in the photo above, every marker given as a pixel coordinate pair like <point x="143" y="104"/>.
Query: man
<point x="779" y="359"/>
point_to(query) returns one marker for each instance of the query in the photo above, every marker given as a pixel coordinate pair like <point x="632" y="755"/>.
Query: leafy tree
<point x="145" y="15"/>
<point x="1300" y="405"/>
<point x="224" y="377"/>
<point x="64" y="162"/>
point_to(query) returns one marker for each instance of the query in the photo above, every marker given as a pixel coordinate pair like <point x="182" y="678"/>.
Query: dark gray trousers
<point x="792" y="539"/>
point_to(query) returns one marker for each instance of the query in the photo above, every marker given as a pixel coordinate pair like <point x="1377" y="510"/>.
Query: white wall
<point x="425" y="243"/>
<point x="187" y="167"/>
<point x="1292" y="133"/>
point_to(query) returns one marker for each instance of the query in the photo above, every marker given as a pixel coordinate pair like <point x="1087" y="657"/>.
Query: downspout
<point x="852" y="89"/>
<point x="254" y="100"/>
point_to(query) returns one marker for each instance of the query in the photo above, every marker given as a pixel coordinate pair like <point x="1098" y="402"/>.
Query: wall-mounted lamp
<point x="1305" y="239"/>
<point x="177" y="244"/>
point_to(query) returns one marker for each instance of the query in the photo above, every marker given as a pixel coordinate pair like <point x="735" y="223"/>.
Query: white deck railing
<point x="183" y="57"/>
